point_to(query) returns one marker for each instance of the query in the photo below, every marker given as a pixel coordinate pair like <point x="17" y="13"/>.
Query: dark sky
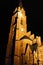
<point x="34" y="12"/>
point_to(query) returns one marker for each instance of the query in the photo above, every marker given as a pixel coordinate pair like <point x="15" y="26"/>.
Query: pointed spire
<point x="20" y="3"/>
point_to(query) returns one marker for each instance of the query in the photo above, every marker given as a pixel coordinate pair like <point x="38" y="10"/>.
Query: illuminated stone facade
<point x="23" y="50"/>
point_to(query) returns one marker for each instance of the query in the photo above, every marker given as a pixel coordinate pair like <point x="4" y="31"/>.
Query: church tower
<point x="21" y="29"/>
<point x="21" y="26"/>
<point x="21" y="23"/>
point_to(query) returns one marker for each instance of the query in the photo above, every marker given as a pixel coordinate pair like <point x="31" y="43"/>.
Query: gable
<point x="25" y="37"/>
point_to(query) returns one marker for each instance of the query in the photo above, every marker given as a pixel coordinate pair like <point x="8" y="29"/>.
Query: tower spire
<point x="20" y="3"/>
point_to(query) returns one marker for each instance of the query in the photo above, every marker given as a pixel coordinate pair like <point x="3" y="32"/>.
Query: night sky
<point x="34" y="13"/>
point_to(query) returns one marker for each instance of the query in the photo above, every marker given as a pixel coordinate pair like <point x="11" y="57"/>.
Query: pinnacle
<point x="32" y="36"/>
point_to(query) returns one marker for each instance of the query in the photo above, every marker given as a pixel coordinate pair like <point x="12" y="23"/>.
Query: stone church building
<point x="26" y="45"/>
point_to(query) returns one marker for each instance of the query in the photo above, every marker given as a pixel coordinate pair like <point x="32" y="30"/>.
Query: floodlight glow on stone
<point x="22" y="29"/>
<point x="19" y="14"/>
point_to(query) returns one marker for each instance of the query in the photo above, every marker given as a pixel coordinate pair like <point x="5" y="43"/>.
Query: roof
<point x="25" y="37"/>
